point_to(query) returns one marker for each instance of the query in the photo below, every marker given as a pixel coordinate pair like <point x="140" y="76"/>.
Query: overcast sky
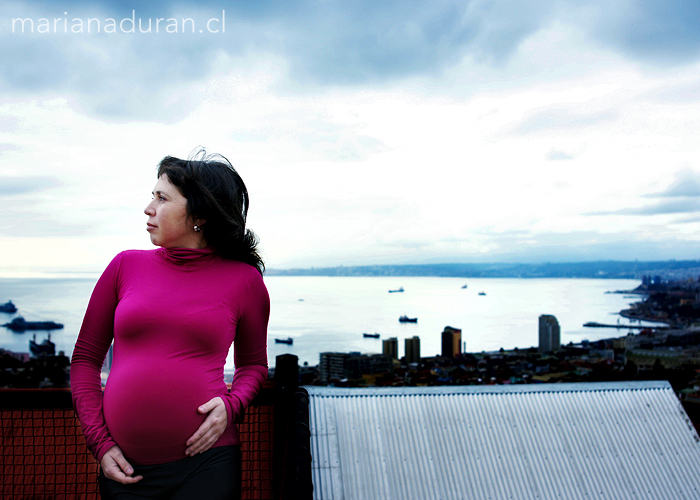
<point x="368" y="132"/>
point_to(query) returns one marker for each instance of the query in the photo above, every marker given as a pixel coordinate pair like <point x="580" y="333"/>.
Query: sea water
<point x="331" y="313"/>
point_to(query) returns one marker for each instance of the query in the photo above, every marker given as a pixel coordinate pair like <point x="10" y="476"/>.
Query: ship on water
<point x="45" y="347"/>
<point x="19" y="324"/>
<point x="406" y="319"/>
<point x="8" y="307"/>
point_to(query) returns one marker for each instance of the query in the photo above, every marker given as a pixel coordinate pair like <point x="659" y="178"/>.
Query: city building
<point x="331" y="366"/>
<point x="549" y="334"/>
<point x="648" y="359"/>
<point x="451" y="342"/>
<point x="352" y="365"/>
<point x="390" y="348"/>
<point x="412" y="350"/>
<point x="358" y="365"/>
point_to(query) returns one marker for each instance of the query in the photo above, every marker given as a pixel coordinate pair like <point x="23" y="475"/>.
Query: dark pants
<point x="214" y="475"/>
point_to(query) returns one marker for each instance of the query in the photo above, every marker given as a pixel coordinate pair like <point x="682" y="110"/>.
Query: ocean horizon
<point x="323" y="314"/>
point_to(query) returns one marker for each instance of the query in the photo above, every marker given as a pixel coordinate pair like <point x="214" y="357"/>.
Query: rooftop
<point x="569" y="441"/>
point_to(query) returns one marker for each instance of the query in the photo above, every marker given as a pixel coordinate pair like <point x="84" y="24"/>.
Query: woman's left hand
<point x="211" y="429"/>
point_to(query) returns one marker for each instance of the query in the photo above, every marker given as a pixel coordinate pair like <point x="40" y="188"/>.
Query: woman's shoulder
<point x="239" y="272"/>
<point x="241" y="268"/>
<point x="126" y="263"/>
<point x="135" y="255"/>
<point x="138" y="252"/>
<point x="127" y="258"/>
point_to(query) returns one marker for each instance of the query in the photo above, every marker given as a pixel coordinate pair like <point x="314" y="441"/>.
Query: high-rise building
<point x="451" y="342"/>
<point x="549" y="334"/>
<point x="390" y="348"/>
<point x="412" y="349"/>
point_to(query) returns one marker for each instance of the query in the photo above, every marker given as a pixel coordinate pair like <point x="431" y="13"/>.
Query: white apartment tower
<point x="549" y="334"/>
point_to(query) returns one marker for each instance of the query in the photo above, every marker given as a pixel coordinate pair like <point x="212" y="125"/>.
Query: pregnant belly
<point x="151" y="416"/>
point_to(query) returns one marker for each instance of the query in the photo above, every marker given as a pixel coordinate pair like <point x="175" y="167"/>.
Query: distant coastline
<point x="671" y="269"/>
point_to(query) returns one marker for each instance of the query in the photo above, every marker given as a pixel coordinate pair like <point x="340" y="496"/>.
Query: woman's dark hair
<point x="216" y="193"/>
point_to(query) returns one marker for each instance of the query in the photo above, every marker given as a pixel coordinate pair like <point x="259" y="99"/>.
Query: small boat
<point x="398" y="290"/>
<point x="406" y="319"/>
<point x="482" y="293"/>
<point x="19" y="325"/>
<point x="8" y="307"/>
<point x="288" y="341"/>
<point x="464" y="286"/>
<point x="370" y="335"/>
<point x="46" y="347"/>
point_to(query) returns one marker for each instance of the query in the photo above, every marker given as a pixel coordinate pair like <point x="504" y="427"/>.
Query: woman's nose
<point x="149" y="210"/>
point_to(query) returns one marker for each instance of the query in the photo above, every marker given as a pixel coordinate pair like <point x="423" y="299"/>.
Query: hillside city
<point x="670" y="351"/>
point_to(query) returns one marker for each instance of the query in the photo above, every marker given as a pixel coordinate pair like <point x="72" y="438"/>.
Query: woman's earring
<point x="197" y="228"/>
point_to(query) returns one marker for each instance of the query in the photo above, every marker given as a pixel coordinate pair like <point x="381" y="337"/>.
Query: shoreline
<point x="627" y="313"/>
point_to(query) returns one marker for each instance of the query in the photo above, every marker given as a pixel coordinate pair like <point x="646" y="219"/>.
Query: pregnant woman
<point x="165" y="425"/>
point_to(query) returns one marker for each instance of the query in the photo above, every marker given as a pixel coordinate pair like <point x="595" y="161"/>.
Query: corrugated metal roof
<point x="629" y="440"/>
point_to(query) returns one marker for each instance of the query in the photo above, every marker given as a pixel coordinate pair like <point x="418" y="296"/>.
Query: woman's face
<point x="168" y="222"/>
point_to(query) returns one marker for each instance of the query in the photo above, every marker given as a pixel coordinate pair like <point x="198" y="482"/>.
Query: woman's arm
<point x="250" y="359"/>
<point x="93" y="342"/>
<point x="249" y="350"/>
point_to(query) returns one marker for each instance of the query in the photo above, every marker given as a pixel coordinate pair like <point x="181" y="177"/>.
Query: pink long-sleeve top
<point x="173" y="314"/>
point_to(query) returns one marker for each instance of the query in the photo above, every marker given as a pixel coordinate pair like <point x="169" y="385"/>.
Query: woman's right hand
<point x="116" y="468"/>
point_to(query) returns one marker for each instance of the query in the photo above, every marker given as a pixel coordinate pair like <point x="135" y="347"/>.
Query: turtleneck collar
<point x="187" y="259"/>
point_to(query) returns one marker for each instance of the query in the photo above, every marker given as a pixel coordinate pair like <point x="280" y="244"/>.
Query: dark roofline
<point x="491" y="389"/>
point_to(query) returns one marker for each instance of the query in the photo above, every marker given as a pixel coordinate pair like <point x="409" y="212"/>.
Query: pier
<point x="593" y="324"/>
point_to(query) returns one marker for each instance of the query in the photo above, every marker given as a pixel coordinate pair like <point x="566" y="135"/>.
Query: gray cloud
<point x="660" y="32"/>
<point x="681" y="197"/>
<point x="686" y="92"/>
<point x="7" y="124"/>
<point x="324" y="43"/>
<point x="514" y="233"/>
<point x="554" y="248"/>
<point x="134" y="75"/>
<point x="578" y="246"/>
<point x="30" y="225"/>
<point x="687" y="220"/>
<point x="562" y="118"/>
<point x="29" y="64"/>
<point x="664" y="32"/>
<point x="12" y="186"/>
<point x="665" y="207"/>
<point x="687" y="184"/>
<point x="570" y="246"/>
<point x="374" y="41"/>
<point x="555" y="154"/>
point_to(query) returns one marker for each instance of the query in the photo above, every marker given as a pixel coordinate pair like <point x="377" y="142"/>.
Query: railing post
<point x="292" y="457"/>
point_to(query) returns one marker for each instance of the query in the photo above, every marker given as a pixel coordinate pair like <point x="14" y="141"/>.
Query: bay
<point x="332" y="313"/>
